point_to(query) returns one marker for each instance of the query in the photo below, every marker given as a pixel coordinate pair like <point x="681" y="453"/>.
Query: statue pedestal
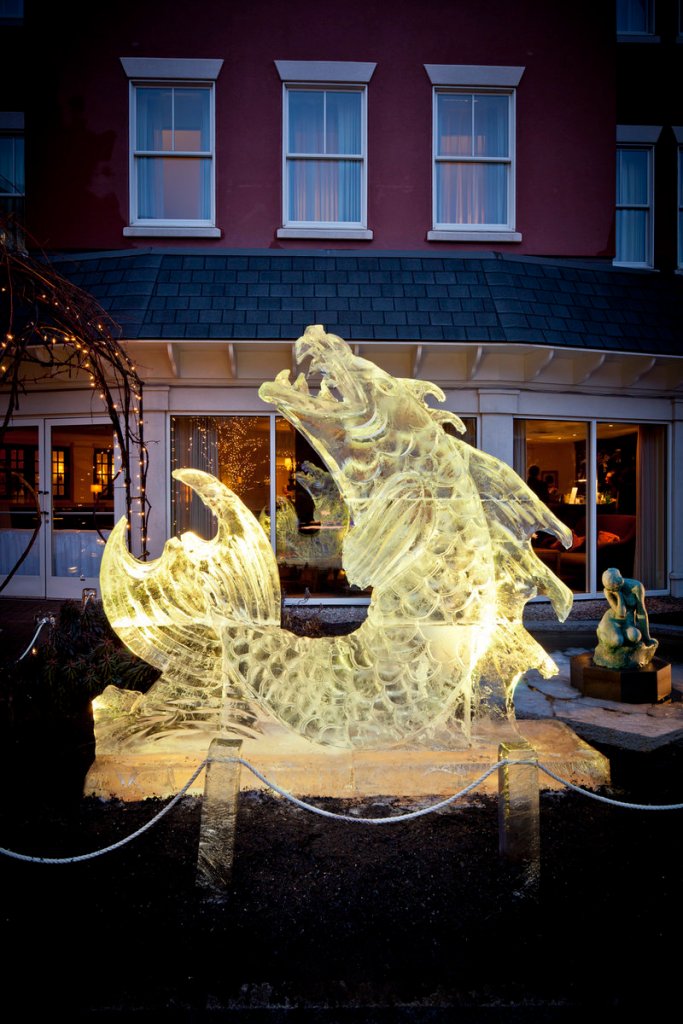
<point x="649" y="685"/>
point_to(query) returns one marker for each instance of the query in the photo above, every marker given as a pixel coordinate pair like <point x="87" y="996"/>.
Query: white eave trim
<point x="173" y="67"/>
<point x="474" y="74"/>
<point x="358" y="72"/>
<point x="645" y="133"/>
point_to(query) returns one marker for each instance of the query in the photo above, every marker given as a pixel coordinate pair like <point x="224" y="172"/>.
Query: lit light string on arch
<point x="50" y="328"/>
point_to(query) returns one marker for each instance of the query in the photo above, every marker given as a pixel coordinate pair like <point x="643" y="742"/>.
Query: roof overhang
<point x="450" y="364"/>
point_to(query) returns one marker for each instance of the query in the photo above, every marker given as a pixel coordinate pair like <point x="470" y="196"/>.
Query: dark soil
<point x="327" y="921"/>
<point x="334" y="922"/>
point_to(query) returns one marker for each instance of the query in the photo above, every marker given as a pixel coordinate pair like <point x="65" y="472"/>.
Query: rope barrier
<point x="46" y="620"/>
<point x="114" y="846"/>
<point x="389" y="820"/>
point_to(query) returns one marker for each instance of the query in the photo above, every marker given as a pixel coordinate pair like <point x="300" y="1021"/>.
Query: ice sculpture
<point x="440" y="531"/>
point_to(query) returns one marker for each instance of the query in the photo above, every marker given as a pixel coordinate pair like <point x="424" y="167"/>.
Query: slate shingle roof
<point x="388" y="296"/>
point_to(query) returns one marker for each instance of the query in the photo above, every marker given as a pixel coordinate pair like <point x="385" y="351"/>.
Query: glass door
<point x="22" y="513"/>
<point x="80" y="472"/>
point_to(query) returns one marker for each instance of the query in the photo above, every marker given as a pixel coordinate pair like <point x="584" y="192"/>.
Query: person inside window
<point x="537" y="485"/>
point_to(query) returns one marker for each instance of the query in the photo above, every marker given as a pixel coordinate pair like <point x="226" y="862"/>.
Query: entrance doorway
<point x="56" y="506"/>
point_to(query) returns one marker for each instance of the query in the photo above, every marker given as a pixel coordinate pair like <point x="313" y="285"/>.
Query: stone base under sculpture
<point x="649" y="685"/>
<point x="308" y="770"/>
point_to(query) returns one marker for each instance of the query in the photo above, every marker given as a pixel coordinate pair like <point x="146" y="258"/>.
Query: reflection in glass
<point x="82" y="509"/>
<point x="551" y="456"/>
<point x="235" y="449"/>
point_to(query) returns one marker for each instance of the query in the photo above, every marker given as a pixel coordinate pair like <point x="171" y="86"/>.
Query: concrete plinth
<point x="304" y="769"/>
<point x="647" y="685"/>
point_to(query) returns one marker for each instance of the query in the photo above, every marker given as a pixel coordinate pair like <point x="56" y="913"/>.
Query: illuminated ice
<point x="439" y="530"/>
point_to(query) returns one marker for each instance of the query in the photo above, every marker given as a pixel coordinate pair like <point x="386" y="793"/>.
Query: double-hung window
<point x="473" y="152"/>
<point x="12" y="176"/>
<point x="635" y="195"/>
<point x="324" y="149"/>
<point x="172" y="149"/>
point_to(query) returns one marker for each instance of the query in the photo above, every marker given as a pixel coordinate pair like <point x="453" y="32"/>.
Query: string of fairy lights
<point x="232" y="448"/>
<point x="51" y="329"/>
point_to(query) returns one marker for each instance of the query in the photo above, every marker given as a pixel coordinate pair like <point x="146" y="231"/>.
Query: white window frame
<point x="145" y="72"/>
<point x="475" y="80"/>
<point x="642" y="137"/>
<point x="320" y="76"/>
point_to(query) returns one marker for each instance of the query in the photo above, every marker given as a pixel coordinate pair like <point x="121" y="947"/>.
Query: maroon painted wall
<point x="77" y="130"/>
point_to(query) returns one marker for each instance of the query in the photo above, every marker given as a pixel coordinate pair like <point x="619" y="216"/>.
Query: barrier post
<point x="519" y="837"/>
<point x="219" y="816"/>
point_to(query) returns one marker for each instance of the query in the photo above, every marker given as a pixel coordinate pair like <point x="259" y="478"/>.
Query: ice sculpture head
<point x="362" y="422"/>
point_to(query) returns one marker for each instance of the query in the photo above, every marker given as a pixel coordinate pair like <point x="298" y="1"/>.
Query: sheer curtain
<point x="173" y="120"/>
<point x="194" y="442"/>
<point x="471" y="126"/>
<point x="651" y="491"/>
<point x="327" y="123"/>
<point x="519" y="448"/>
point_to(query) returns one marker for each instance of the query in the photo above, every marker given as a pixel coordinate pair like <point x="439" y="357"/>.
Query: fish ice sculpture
<point x="439" y="530"/>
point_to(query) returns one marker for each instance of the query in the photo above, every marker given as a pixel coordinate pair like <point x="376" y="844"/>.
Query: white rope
<point x="389" y="820"/>
<point x="606" y="799"/>
<point x="42" y="622"/>
<point x="114" y="846"/>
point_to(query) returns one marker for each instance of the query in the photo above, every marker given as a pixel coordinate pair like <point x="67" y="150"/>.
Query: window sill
<point x="360" y="234"/>
<point x="645" y="37"/>
<point x="457" y="235"/>
<point x="647" y="267"/>
<point x="168" y="231"/>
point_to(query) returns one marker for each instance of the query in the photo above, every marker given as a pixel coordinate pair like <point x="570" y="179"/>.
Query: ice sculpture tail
<point x="166" y="611"/>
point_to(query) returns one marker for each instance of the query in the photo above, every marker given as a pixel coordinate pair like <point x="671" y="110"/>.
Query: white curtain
<point x="194" y="444"/>
<point x="326" y="123"/>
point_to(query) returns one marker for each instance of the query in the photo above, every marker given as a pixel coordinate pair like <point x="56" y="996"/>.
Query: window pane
<point x="236" y="449"/>
<point x="632" y="176"/>
<point x="632" y="236"/>
<point x="154" y="119"/>
<point x="311" y="519"/>
<point x="174" y="188"/>
<point x="633" y="16"/>
<point x="454" y="125"/>
<point x="11" y="164"/>
<point x="552" y="456"/>
<point x="343" y="122"/>
<point x="306" y="121"/>
<point x="490" y="125"/>
<point x="325" y="191"/>
<point x="18" y="517"/>
<point x="191" y="119"/>
<point x="7" y="165"/>
<point x="471" y="193"/>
